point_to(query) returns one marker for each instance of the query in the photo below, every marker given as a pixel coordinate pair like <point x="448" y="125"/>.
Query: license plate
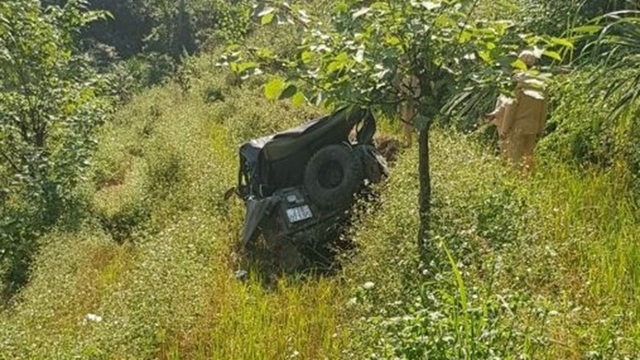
<point x="299" y="213"/>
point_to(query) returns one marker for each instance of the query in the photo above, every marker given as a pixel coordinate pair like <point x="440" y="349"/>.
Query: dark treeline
<point x="163" y="26"/>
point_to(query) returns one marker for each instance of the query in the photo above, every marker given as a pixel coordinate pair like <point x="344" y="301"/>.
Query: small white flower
<point x="93" y="318"/>
<point x="368" y="285"/>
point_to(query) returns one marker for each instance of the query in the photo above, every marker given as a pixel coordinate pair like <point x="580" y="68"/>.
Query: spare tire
<point x="333" y="175"/>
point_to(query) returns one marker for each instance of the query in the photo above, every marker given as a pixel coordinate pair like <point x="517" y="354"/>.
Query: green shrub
<point x="169" y="289"/>
<point x="50" y="108"/>
<point x="453" y="305"/>
<point x="581" y="131"/>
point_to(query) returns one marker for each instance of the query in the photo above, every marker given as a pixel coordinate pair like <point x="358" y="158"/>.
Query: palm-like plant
<point x="617" y="50"/>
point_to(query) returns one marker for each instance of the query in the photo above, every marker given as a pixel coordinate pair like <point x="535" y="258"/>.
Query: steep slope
<point x="164" y="164"/>
<point x="544" y="267"/>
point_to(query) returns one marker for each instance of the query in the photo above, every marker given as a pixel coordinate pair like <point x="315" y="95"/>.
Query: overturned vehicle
<point x="299" y="185"/>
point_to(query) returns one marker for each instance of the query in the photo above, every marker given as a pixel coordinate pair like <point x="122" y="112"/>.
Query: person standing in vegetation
<point x="520" y="121"/>
<point x="497" y="118"/>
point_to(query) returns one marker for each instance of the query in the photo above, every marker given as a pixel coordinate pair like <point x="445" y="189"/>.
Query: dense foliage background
<point x="119" y="122"/>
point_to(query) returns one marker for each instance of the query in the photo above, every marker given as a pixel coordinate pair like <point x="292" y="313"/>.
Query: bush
<point x="581" y="131"/>
<point x="50" y="108"/>
<point x="449" y="306"/>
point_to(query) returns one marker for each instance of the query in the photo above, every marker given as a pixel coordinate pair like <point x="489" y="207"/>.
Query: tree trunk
<point x="425" y="190"/>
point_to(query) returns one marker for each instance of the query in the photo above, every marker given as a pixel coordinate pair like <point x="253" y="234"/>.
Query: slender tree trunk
<point x="425" y="190"/>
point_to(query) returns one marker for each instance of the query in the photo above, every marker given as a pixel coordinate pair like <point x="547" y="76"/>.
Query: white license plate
<point x="299" y="213"/>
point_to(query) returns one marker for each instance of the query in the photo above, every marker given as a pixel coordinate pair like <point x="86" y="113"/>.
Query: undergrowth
<point x="539" y="268"/>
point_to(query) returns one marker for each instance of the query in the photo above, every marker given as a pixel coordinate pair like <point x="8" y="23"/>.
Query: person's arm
<point x="510" y="112"/>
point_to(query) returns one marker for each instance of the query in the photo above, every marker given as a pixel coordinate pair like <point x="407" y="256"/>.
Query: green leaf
<point x="306" y="56"/>
<point x="242" y="67"/>
<point x="338" y="63"/>
<point x="501" y="27"/>
<point x="587" y="29"/>
<point x="342" y="7"/>
<point x="484" y="55"/>
<point x="267" y="19"/>
<point x="265" y="53"/>
<point x="392" y="40"/>
<point x="552" y="54"/>
<point x="298" y="99"/>
<point x="290" y="91"/>
<point x="445" y="21"/>
<point x="462" y="290"/>
<point x="563" y="42"/>
<point x="519" y="64"/>
<point x="274" y="88"/>
<point x="465" y="36"/>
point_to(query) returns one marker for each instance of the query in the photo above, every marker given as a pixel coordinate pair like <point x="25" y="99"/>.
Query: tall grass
<point x="169" y="291"/>
<point x="539" y="267"/>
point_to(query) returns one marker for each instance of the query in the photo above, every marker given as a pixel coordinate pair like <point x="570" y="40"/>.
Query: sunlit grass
<point x="244" y="321"/>
<point x="544" y="266"/>
<point x="170" y="292"/>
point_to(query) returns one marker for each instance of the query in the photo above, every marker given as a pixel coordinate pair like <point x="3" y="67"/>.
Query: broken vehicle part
<point x="298" y="185"/>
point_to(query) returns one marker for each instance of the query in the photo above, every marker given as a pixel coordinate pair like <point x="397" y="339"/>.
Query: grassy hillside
<point x="540" y="268"/>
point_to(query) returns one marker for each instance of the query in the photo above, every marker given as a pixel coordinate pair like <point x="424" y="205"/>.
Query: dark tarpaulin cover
<point x="278" y="160"/>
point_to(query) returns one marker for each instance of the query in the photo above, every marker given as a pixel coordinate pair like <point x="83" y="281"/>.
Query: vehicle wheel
<point x="333" y="175"/>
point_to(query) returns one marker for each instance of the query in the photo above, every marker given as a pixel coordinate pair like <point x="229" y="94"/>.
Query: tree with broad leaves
<point x="461" y="62"/>
<point x="50" y="110"/>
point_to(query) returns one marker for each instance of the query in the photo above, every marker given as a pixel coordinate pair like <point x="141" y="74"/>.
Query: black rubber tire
<point x="333" y="175"/>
